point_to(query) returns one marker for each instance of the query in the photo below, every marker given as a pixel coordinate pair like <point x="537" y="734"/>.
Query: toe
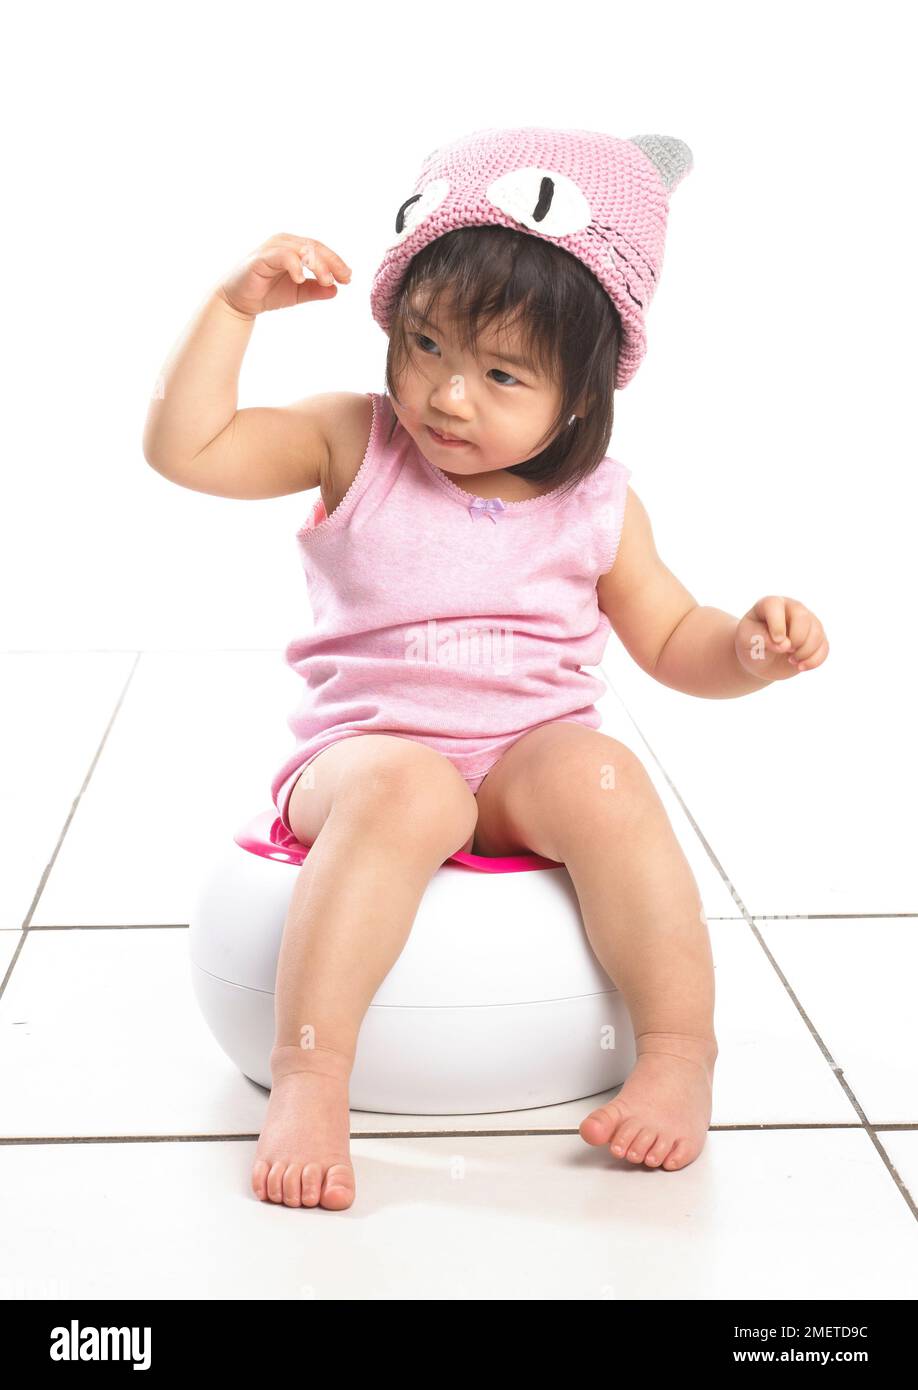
<point x="259" y="1175"/>
<point x="600" y="1125"/>
<point x="311" y="1184"/>
<point x="338" y="1191"/>
<point x="678" y="1155"/>
<point x="293" y="1182"/>
<point x="658" y="1150"/>
<point x="275" y="1182"/>
<point x="621" y="1139"/>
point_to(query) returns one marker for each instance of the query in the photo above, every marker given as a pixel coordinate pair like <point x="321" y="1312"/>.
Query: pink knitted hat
<point x="602" y="199"/>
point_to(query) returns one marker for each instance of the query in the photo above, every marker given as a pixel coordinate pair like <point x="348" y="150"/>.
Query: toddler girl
<point x="472" y="548"/>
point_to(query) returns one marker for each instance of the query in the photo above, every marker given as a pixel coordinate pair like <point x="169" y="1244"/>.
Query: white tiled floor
<point x="126" y="1135"/>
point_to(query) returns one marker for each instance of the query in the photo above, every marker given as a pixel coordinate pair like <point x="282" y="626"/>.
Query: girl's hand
<point x="779" y="637"/>
<point x="274" y="275"/>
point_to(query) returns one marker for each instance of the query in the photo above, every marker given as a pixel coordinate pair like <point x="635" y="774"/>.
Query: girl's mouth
<point x="447" y="443"/>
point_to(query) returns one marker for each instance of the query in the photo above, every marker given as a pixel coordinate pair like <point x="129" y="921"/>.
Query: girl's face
<point x="498" y="405"/>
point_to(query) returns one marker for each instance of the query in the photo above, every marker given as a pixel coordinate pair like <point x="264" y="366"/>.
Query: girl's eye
<point x="421" y="339"/>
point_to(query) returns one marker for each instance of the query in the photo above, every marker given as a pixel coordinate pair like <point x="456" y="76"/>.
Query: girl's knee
<point x="412" y="789"/>
<point x="590" y="765"/>
<point x="600" y="782"/>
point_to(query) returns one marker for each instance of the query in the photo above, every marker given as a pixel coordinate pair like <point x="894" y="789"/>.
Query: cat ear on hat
<point x="672" y="158"/>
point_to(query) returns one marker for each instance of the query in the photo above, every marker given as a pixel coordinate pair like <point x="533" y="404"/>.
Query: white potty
<point x="496" y="1002"/>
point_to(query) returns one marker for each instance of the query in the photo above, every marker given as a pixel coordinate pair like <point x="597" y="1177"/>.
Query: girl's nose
<point x="450" y="396"/>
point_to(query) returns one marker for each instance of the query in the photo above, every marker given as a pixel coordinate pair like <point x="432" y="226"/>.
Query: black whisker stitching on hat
<point x="625" y="259"/>
<point x="631" y="246"/>
<point x="635" y="270"/>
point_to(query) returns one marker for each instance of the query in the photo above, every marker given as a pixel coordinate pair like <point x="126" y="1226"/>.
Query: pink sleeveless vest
<point x="457" y="621"/>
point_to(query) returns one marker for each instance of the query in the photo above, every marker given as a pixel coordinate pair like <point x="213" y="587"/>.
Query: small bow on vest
<point x="486" y="506"/>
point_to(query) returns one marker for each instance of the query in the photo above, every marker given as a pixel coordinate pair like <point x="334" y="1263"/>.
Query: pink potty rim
<point x="267" y="836"/>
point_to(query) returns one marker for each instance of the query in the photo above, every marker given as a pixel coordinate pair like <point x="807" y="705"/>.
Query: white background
<point x="769" y="429"/>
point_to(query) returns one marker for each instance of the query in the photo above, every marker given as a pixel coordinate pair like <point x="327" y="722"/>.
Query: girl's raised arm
<point x="194" y="435"/>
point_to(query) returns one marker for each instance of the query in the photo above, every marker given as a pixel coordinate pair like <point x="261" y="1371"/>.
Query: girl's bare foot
<point x="303" y="1154"/>
<point x="661" y="1115"/>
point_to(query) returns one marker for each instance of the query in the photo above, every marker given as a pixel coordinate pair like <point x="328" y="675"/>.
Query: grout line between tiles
<point x="26" y="925"/>
<point x="110" y="926"/>
<point x="423" y="1133"/>
<point x="837" y="1071"/>
<point x="824" y="916"/>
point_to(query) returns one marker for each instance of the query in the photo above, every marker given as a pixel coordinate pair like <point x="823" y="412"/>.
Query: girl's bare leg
<point x="645" y="921"/>
<point x="579" y="797"/>
<point x="392" y="823"/>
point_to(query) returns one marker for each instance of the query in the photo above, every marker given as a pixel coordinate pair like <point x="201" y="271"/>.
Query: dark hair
<point x="569" y="326"/>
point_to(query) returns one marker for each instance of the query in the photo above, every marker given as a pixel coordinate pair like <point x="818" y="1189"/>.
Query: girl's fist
<point x="276" y="275"/>
<point x="779" y="637"/>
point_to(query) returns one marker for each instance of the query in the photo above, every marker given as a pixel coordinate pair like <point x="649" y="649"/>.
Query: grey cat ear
<point x="672" y="157"/>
